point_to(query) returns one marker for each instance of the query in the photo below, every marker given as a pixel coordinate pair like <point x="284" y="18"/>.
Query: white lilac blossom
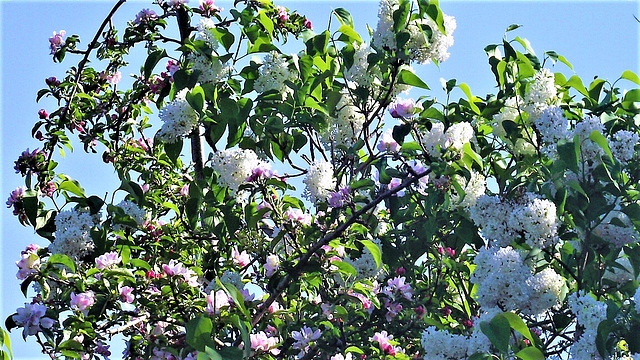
<point x="502" y="221"/>
<point x="132" y="210"/>
<point x="424" y="50"/>
<point x="73" y="237"/>
<point x="617" y="235"/>
<point x="178" y="117"/>
<point x="509" y="112"/>
<point x="418" y="46"/>
<point x="540" y="94"/>
<point x="109" y="259"/>
<point x="473" y="189"/>
<point x="505" y="281"/>
<point x="620" y="275"/>
<point x="210" y="68"/>
<point x="366" y="265"/>
<point x="443" y="345"/>
<point x="273" y="74"/>
<point x="359" y="72"/>
<point x="437" y="139"/>
<point x="623" y="145"/>
<point x="32" y="318"/>
<point x="590" y="151"/>
<point x="235" y="166"/>
<point x="553" y="127"/>
<point x="589" y="313"/>
<point x="319" y="181"/>
<point x="304" y="338"/>
<point x="345" y="128"/>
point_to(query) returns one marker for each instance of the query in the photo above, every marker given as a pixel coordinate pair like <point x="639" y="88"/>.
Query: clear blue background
<point x="598" y="38"/>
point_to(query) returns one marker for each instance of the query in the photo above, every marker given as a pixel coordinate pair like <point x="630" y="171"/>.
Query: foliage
<point x="501" y="226"/>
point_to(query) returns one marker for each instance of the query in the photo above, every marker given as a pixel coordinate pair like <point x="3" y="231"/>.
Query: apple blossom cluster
<point x="32" y="318"/>
<point x="384" y="340"/>
<point x="236" y="167"/>
<point x="72" y="234"/>
<point x="319" y="181"/>
<point x="107" y="260"/>
<point x="589" y="313"/>
<point x="29" y="262"/>
<point x="178" y="118"/>
<point x="31" y="162"/>
<point x="15" y="201"/>
<point x="505" y="281"/>
<point x="264" y="342"/>
<point x="503" y="221"/>
<point x="404" y="108"/>
<point x="176" y="268"/>
<point x="216" y="300"/>
<point x="420" y="47"/>
<point x="144" y="16"/>
<point x="57" y="41"/>
<point x="273" y="74"/>
<point x="437" y="140"/>
<point x="304" y="339"/>
<point x="346" y="128"/>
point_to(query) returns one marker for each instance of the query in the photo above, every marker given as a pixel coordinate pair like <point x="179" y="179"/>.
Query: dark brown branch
<point x="296" y="271"/>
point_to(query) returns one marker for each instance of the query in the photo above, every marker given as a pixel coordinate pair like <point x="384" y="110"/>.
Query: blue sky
<point x="598" y="38"/>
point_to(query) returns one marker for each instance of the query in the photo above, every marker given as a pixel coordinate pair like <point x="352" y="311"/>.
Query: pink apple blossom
<point x="216" y="300"/>
<point x="240" y="258"/>
<point x="388" y="143"/>
<point x="271" y="265"/>
<point x="56" y="41"/>
<point x="126" y="294"/>
<point x="82" y="301"/>
<point x="107" y="260"/>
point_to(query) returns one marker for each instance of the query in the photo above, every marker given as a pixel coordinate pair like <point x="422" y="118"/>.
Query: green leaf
<point x="199" y="333"/>
<point x="465" y="88"/>
<point x="173" y="150"/>
<point x="266" y="22"/>
<point x="631" y="76"/>
<point x="468" y="152"/>
<point x="526" y="44"/>
<point x="518" y="325"/>
<point x="345" y="268"/>
<point x="401" y="16"/>
<point x="576" y="83"/>
<point x="555" y="57"/>
<point x="152" y="61"/>
<point x="349" y="32"/>
<point x="408" y="78"/>
<point x="599" y="139"/>
<point x="569" y="153"/>
<point x="498" y="331"/>
<point x="62" y="260"/>
<point x="71" y="186"/>
<point x="512" y="27"/>
<point x="242" y="326"/>
<point x="195" y="98"/>
<point x="375" y="251"/>
<point x="530" y="353"/>
<point x="6" y="341"/>
<point x="344" y="17"/>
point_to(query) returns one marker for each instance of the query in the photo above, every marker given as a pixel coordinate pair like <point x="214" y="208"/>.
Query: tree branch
<point x="295" y="272"/>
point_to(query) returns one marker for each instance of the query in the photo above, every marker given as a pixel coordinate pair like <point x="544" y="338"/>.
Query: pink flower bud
<point x="43" y="114"/>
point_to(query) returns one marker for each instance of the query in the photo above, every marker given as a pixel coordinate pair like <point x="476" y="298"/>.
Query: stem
<point x="304" y="259"/>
